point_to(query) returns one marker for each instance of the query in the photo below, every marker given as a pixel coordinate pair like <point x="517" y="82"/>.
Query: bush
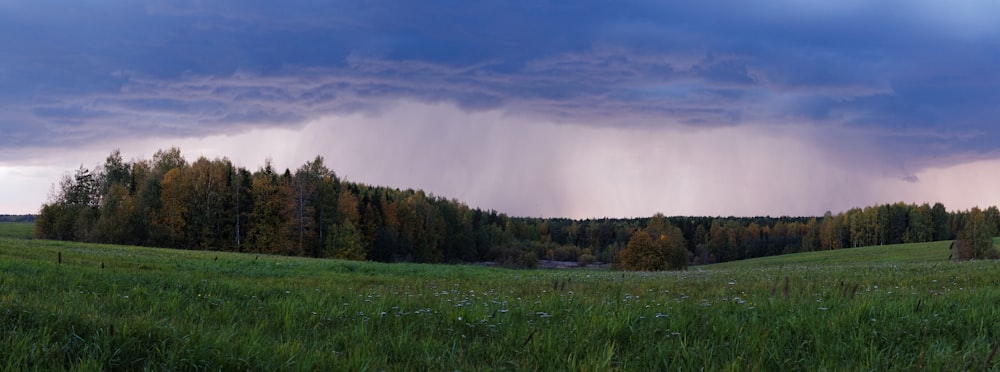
<point x="513" y="257"/>
<point x="960" y="250"/>
<point x="528" y="260"/>
<point x="586" y="259"/>
<point x="567" y="253"/>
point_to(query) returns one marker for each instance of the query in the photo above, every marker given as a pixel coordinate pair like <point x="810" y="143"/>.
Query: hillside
<point x="931" y="252"/>
<point x="67" y="305"/>
<point x="886" y="254"/>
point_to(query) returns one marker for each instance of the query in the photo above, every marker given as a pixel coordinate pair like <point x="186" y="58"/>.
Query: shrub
<point x="514" y="257"/>
<point x="567" y="253"/>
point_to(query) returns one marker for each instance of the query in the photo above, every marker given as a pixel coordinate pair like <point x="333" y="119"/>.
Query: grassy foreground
<point x="126" y="308"/>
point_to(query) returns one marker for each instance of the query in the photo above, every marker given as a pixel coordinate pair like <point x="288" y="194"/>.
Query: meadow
<point x="77" y="306"/>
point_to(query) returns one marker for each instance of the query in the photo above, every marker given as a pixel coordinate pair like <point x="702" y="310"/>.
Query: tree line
<point x="17" y="218"/>
<point x="207" y="204"/>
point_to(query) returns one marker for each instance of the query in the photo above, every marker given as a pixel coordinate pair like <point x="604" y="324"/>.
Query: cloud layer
<point x="890" y="90"/>
<point x="526" y="167"/>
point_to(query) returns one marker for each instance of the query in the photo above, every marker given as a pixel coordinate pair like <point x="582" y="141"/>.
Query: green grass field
<point x="17" y="230"/>
<point x="125" y="308"/>
<point x="895" y="254"/>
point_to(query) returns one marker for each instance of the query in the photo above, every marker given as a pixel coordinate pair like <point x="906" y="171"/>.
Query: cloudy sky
<point x="533" y="108"/>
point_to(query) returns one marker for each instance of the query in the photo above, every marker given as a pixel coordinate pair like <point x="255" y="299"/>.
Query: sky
<point x="580" y="109"/>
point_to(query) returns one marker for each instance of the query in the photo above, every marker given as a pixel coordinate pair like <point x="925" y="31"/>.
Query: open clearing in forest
<point x="115" y="307"/>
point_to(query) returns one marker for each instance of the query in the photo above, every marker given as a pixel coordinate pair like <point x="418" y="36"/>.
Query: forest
<point x="168" y="201"/>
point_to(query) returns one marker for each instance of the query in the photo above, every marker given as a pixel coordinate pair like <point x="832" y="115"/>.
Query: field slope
<point x="892" y="254"/>
<point x="82" y="306"/>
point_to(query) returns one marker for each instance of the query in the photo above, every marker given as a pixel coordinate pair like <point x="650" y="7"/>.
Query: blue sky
<point x="578" y="109"/>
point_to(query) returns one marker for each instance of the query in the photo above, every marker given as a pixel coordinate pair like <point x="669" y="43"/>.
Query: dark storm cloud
<point x="917" y="75"/>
